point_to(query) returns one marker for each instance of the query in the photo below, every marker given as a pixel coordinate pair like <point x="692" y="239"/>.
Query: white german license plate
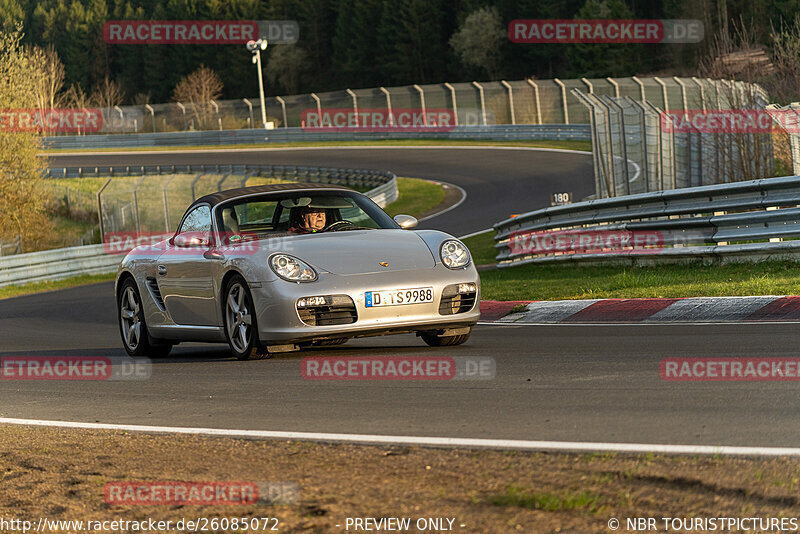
<point x="396" y="297"/>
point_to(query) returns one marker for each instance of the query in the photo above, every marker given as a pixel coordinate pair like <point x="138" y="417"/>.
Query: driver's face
<point x="314" y="220"/>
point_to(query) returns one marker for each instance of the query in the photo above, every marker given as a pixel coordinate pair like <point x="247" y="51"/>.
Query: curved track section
<point x="499" y="181"/>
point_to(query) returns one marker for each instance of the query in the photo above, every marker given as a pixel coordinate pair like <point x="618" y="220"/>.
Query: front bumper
<point x="280" y="323"/>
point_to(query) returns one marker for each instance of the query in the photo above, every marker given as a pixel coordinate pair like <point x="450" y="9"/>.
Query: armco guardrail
<point x="742" y="221"/>
<point x="56" y="264"/>
<point x="94" y="259"/>
<point x="503" y="132"/>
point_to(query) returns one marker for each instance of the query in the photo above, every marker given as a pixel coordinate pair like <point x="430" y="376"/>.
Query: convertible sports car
<point x="276" y="268"/>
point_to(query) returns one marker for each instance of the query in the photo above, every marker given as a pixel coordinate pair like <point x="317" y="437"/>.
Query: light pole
<point x="256" y="47"/>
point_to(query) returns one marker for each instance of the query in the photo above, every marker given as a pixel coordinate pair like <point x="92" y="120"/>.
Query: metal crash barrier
<point x="741" y="221"/>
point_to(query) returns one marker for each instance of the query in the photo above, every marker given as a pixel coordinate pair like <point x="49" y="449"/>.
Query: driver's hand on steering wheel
<point x="337" y="225"/>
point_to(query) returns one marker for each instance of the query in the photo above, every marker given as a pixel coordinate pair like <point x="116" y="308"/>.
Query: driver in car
<point x="310" y="220"/>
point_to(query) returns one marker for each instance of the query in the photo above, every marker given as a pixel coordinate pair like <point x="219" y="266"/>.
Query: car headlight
<point x="454" y="254"/>
<point x="292" y="269"/>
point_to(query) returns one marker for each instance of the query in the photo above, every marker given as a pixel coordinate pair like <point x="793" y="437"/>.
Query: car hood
<point x="362" y="251"/>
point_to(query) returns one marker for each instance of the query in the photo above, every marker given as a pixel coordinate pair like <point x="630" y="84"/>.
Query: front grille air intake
<point x="337" y="310"/>
<point x="454" y="302"/>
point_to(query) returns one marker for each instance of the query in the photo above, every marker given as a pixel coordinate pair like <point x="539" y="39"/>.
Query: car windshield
<point x="303" y="212"/>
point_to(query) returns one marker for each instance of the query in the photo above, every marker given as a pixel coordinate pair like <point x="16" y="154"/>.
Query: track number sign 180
<point x="395" y="297"/>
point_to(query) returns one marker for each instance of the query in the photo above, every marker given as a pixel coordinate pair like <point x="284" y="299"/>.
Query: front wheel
<point x="135" y="337"/>
<point x="444" y="341"/>
<point x="241" y="328"/>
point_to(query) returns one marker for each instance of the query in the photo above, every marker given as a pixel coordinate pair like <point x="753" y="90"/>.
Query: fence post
<point x="283" y="109"/>
<point x="136" y="204"/>
<point x="536" y="98"/>
<point x="167" y="224"/>
<point x="455" y="102"/>
<point x="319" y="106"/>
<point x="563" y="99"/>
<point x="660" y="82"/>
<point x="510" y="100"/>
<point x="623" y="141"/>
<point x="216" y="108"/>
<point x="355" y="105"/>
<point x="483" y="101"/>
<point x="388" y="105"/>
<point x="100" y="208"/>
<point x="183" y="109"/>
<point x="645" y="170"/>
<point x="250" y="106"/>
<point x="702" y="92"/>
<point x="422" y="101"/>
<point x="615" y="85"/>
<point x="641" y="86"/>
<point x="121" y="118"/>
<point x="149" y="108"/>
<point x="196" y="178"/>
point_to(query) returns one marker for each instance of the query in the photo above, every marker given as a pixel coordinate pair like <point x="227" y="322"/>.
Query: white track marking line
<point x="454" y="206"/>
<point x="300" y="148"/>
<point x="670" y="323"/>
<point x="372" y="439"/>
<point x="479" y="232"/>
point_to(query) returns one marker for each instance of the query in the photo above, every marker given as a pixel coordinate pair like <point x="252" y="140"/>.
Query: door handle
<point x="162" y="270"/>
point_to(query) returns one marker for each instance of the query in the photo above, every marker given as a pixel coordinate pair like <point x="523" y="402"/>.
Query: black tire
<point x="331" y="342"/>
<point x="132" y="327"/>
<point x="444" y="341"/>
<point x="243" y="344"/>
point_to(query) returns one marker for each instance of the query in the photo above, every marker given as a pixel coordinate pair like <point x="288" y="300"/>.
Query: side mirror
<point x="406" y="222"/>
<point x="191" y="240"/>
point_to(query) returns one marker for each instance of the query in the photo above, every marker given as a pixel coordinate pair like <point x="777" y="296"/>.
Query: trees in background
<point x="287" y="67"/>
<point x="368" y="43"/>
<point x="200" y="89"/>
<point x="23" y="210"/>
<point x="479" y="40"/>
<point x="107" y="94"/>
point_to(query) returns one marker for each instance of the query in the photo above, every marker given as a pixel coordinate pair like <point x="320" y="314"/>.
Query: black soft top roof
<point x="222" y="196"/>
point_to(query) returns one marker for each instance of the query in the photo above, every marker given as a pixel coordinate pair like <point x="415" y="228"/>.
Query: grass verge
<point x="415" y="197"/>
<point x="560" y="282"/>
<point x="41" y="287"/>
<point x="61" y="474"/>
<point x="557" y="282"/>
<point x="481" y="247"/>
<point x="585" y="146"/>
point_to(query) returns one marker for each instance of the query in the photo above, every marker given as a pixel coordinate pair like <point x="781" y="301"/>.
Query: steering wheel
<point x="338" y="225"/>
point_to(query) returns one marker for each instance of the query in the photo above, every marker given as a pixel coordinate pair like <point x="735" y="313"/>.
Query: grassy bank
<point x="563" y="281"/>
<point x="557" y="282"/>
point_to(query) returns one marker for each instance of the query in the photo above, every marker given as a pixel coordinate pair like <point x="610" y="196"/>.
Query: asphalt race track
<point x="598" y="383"/>
<point x="572" y="383"/>
<point x="498" y="182"/>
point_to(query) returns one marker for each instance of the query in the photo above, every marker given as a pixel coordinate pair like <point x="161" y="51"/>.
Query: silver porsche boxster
<point x="276" y="268"/>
